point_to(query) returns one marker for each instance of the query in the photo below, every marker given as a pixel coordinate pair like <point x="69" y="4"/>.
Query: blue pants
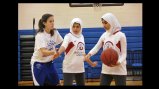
<point x="45" y="74"/>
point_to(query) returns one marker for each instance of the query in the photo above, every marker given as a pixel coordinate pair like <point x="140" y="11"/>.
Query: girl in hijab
<point x="74" y="47"/>
<point x="112" y="38"/>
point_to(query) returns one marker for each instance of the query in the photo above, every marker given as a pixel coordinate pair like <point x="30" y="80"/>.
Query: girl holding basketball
<point x="112" y="38"/>
<point x="74" y="47"/>
<point x="43" y="70"/>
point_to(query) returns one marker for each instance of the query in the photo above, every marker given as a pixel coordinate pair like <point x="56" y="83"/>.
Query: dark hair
<point x="42" y="26"/>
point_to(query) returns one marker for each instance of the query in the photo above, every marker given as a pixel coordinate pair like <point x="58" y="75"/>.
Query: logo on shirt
<point x="108" y="44"/>
<point x="80" y="49"/>
<point x="51" y="45"/>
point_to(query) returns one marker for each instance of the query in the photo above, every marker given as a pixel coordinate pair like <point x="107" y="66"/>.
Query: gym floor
<point x="88" y="83"/>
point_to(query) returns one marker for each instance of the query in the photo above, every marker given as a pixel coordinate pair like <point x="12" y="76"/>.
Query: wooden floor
<point x="88" y="83"/>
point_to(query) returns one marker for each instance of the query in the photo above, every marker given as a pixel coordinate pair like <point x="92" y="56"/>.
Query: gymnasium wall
<point x="128" y="15"/>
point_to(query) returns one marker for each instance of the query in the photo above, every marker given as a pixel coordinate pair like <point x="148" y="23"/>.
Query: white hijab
<point x="76" y="20"/>
<point x="113" y="21"/>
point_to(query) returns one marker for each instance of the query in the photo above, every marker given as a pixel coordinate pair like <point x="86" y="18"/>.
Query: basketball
<point x="109" y="57"/>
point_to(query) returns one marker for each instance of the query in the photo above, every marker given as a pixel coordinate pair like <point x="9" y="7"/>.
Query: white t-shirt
<point x="44" y="40"/>
<point x="74" y="50"/>
<point x="117" y="42"/>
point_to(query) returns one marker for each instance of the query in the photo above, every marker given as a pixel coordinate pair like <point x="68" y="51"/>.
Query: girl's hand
<point x="118" y="63"/>
<point x="87" y="57"/>
<point x="94" y="64"/>
<point x="56" y="55"/>
<point x="57" y="49"/>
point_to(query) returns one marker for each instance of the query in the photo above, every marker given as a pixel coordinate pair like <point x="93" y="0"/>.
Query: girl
<point x="112" y="38"/>
<point x="47" y="38"/>
<point x="74" y="47"/>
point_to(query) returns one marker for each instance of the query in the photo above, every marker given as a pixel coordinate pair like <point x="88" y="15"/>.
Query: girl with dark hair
<point x="46" y="39"/>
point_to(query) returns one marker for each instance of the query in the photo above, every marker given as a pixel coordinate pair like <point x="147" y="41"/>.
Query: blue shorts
<point x="45" y="74"/>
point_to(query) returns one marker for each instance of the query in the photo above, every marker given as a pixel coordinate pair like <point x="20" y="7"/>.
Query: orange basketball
<point x="109" y="57"/>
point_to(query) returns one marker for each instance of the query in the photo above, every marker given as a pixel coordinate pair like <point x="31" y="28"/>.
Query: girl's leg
<point x="80" y="79"/>
<point x="38" y="74"/>
<point x="52" y="76"/>
<point x="105" y="79"/>
<point x="120" y="80"/>
<point x="68" y="79"/>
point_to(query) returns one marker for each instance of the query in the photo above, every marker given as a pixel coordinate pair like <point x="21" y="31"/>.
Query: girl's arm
<point x="59" y="38"/>
<point x="46" y="52"/>
<point x="95" y="48"/>
<point x="123" y="49"/>
<point x="41" y="46"/>
<point x="62" y="47"/>
<point x="58" y="53"/>
<point x="93" y="64"/>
